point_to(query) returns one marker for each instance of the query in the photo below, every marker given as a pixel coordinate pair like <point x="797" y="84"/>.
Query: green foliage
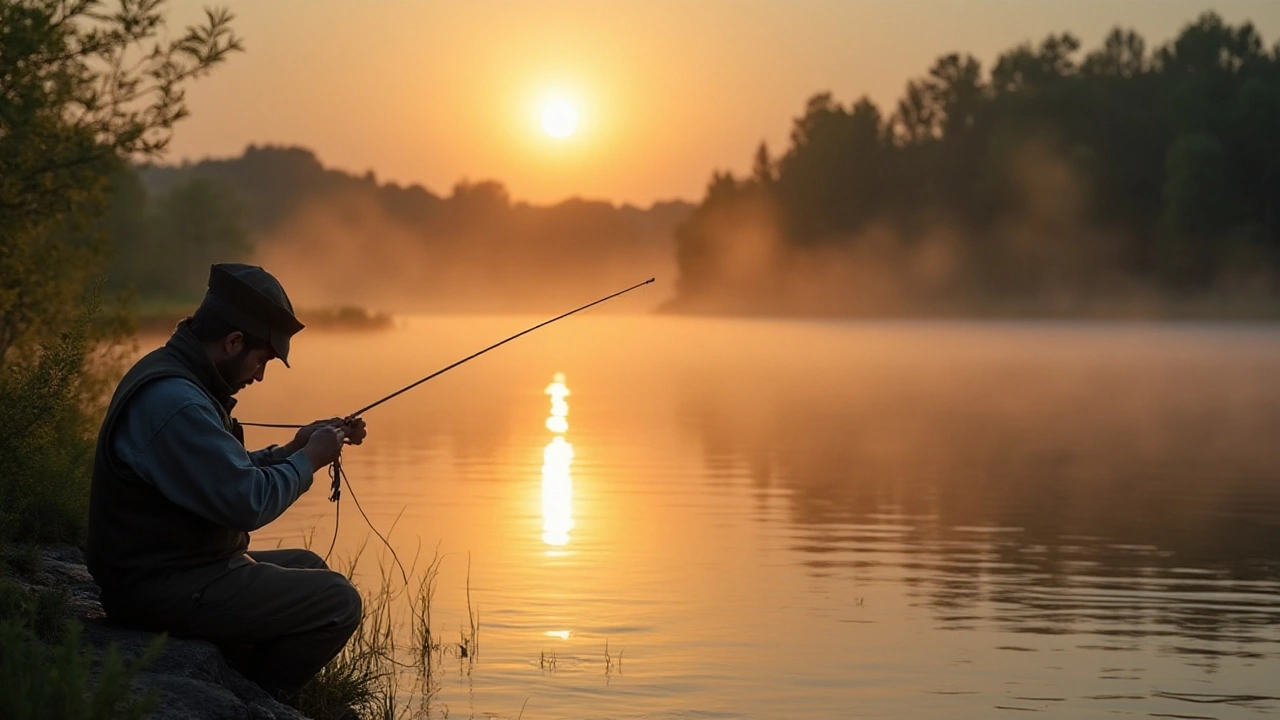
<point x="1195" y="205"/>
<point x="1057" y="169"/>
<point x="352" y="682"/>
<point x="23" y="559"/>
<point x="54" y="682"/>
<point x="48" y="448"/>
<point x="83" y="89"/>
<point x="162" y="247"/>
<point x="43" y="612"/>
<point x="45" y="673"/>
<point x="366" y="241"/>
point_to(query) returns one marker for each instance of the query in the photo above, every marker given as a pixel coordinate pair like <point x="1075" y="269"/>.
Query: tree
<point x="831" y="180"/>
<point x="762" y="170"/>
<point x="82" y="88"/>
<point x="945" y="103"/>
<point x="1060" y="171"/>
<point x="1195" y="195"/>
<point x="192" y="225"/>
<point x="1025" y="69"/>
<point x="1123" y="55"/>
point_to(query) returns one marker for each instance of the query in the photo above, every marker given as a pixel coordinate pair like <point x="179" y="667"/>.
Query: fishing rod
<point x="475" y="355"/>
<point x="468" y="358"/>
<point x="338" y="475"/>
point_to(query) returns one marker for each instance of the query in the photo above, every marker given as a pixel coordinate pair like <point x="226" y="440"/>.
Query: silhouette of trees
<point x="83" y="88"/>
<point x="1059" y="173"/>
<point x="381" y="242"/>
<point x="162" y="247"/>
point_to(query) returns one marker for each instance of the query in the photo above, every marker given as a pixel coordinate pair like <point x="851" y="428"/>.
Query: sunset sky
<point x="661" y="92"/>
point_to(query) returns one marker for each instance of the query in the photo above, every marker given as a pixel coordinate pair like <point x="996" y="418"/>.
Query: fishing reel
<point x="335" y="469"/>
<point x="335" y="474"/>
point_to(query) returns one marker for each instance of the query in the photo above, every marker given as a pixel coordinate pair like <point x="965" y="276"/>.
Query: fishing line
<point x="356" y="500"/>
<point x="337" y="513"/>
<point x="500" y="343"/>
<point x="338" y="475"/>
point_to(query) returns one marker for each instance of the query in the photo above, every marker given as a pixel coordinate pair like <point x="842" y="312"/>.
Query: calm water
<point x="821" y="520"/>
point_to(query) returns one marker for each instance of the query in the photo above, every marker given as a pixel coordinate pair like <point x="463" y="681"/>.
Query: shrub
<point x="48" y="440"/>
<point x="53" y="682"/>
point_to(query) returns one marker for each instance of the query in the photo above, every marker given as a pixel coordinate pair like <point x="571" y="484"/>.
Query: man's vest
<point x="135" y="533"/>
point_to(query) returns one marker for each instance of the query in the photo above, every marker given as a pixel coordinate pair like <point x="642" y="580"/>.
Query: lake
<point x="766" y="519"/>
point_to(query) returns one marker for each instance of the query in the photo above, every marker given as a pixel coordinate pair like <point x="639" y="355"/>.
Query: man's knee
<point x="346" y="602"/>
<point x="308" y="559"/>
<point x="296" y="558"/>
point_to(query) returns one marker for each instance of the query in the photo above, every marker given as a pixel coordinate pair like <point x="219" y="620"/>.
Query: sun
<point x="559" y="118"/>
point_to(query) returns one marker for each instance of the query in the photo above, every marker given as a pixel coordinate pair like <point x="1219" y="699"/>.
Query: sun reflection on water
<point x="557" y="457"/>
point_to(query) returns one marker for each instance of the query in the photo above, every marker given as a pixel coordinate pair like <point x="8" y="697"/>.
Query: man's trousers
<point x="278" y="615"/>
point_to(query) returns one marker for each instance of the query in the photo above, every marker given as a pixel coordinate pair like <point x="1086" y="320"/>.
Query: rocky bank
<point x="190" y="677"/>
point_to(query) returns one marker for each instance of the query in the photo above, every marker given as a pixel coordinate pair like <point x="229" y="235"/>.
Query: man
<point x="175" y="495"/>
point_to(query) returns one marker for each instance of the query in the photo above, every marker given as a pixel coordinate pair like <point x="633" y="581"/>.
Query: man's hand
<point x="306" y="431"/>
<point x="354" y="432"/>
<point x="324" y="445"/>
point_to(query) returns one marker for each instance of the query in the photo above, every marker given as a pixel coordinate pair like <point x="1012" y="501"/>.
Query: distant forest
<point x="340" y="239"/>
<point x="1122" y="179"/>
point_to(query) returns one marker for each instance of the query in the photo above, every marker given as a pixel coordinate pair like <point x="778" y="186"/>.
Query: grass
<point x="390" y="668"/>
<point x="50" y="418"/>
<point x="547" y="661"/>
<point x="46" y="673"/>
<point x="23" y="559"/>
<point x="41" y="612"/>
<point x="363" y="677"/>
<point x="50" y="405"/>
<point x="612" y="663"/>
<point x="43" y="681"/>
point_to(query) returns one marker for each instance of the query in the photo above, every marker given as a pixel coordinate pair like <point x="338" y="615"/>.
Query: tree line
<point x="1057" y="179"/>
<point x="346" y="237"/>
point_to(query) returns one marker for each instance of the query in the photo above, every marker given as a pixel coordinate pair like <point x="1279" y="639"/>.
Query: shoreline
<point x="163" y="318"/>
<point x="190" y="678"/>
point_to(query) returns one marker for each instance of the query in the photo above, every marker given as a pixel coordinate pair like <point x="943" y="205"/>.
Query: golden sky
<point x="433" y="92"/>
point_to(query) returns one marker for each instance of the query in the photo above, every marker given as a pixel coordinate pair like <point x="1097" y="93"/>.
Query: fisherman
<point x="175" y="495"/>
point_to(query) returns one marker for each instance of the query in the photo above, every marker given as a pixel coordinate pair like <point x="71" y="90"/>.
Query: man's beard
<point x="230" y="370"/>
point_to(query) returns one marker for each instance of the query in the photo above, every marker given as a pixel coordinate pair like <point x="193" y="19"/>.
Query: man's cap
<point x="254" y="302"/>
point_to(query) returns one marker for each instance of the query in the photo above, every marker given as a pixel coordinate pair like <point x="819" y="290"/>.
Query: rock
<point x="190" y="677"/>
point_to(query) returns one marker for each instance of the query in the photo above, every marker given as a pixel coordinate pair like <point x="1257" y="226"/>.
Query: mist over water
<point x="347" y="250"/>
<point x="820" y="519"/>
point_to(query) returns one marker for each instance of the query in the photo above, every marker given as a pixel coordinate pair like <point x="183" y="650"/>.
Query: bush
<point x="52" y="682"/>
<point x="48" y="443"/>
<point x="44" y="671"/>
<point x="42" y="613"/>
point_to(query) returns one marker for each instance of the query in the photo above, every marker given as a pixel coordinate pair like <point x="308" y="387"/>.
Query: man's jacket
<point x="172" y="506"/>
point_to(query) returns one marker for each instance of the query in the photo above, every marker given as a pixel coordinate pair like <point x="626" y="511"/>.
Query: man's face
<point x="244" y="366"/>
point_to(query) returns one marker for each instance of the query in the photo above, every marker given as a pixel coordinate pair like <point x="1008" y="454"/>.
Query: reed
<point x="612" y="663"/>
<point x="390" y="669"/>
<point x="546" y="662"/>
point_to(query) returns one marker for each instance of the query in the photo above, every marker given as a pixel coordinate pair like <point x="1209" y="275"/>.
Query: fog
<point x="1043" y="254"/>
<point x="344" y="249"/>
